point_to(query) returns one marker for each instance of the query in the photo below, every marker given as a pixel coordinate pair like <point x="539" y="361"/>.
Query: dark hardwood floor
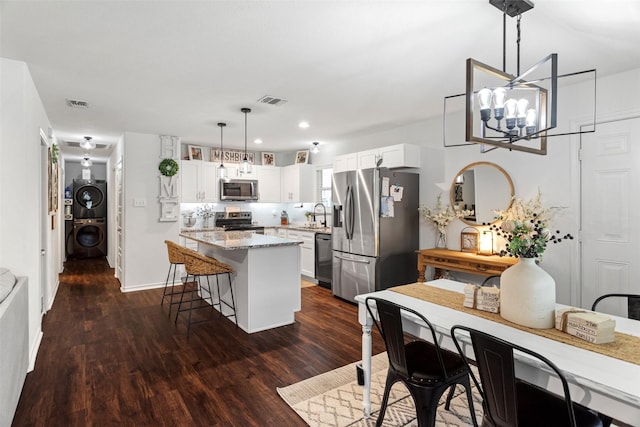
<point x="113" y="358"/>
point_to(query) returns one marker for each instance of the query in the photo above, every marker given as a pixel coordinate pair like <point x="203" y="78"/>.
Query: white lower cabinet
<point x="270" y="232"/>
<point x="307" y="250"/>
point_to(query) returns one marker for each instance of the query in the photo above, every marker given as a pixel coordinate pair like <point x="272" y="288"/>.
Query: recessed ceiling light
<point x="257" y="141"/>
<point x="303" y="125"/>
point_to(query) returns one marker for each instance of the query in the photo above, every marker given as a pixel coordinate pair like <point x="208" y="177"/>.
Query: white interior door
<point x="610" y="175"/>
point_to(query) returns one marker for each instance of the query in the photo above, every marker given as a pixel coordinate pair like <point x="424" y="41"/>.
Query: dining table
<point x="603" y="381"/>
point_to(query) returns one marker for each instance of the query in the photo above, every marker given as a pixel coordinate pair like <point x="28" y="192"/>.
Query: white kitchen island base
<point x="266" y="282"/>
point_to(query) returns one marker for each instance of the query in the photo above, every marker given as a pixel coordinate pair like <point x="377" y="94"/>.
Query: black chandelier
<point x="517" y="112"/>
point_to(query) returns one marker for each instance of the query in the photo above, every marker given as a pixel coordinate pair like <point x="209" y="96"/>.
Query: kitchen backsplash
<point x="267" y="214"/>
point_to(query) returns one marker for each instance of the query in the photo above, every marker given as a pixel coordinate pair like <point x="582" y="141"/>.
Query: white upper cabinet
<point x="198" y="181"/>
<point x="298" y="184"/>
<point x="345" y="162"/>
<point x="269" y="183"/>
<point x="394" y="156"/>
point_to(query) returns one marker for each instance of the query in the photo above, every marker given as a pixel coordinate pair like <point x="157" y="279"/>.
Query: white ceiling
<point x="349" y="68"/>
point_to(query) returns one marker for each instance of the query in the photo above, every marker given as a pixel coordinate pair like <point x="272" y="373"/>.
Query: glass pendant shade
<point x="246" y="165"/>
<point x="222" y="171"/>
<point x="315" y="149"/>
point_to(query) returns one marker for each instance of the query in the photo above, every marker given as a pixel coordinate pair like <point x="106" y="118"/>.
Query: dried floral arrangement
<point x="442" y="215"/>
<point x="525" y="227"/>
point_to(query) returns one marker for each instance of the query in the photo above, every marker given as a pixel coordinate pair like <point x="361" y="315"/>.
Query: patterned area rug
<point x="335" y="399"/>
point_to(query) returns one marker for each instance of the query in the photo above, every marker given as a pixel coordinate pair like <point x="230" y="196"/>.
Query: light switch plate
<point x="139" y="203"/>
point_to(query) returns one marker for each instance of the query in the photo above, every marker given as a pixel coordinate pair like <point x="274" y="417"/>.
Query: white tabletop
<point x="603" y="383"/>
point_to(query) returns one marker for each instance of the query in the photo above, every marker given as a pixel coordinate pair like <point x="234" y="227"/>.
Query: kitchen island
<point x="266" y="283"/>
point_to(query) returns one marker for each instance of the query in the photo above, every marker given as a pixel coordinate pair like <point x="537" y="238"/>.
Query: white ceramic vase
<point x="528" y="295"/>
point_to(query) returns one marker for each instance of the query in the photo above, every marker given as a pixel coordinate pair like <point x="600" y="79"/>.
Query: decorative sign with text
<point x="231" y="156"/>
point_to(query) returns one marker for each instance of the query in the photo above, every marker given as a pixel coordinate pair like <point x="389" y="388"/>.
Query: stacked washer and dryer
<point x="89" y="218"/>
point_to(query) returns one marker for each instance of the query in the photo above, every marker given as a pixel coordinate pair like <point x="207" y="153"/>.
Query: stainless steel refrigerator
<point x="374" y="239"/>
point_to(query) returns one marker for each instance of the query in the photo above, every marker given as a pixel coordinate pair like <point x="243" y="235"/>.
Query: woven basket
<point x="198" y="264"/>
<point x="176" y="252"/>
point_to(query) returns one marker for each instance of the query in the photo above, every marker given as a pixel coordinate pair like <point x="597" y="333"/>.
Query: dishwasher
<point x="324" y="260"/>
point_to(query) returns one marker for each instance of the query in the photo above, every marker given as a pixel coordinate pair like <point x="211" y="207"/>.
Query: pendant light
<point x="246" y="166"/>
<point x="315" y="149"/>
<point x="222" y="171"/>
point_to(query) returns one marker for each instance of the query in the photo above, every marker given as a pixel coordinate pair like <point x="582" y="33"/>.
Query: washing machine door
<point x="89" y="200"/>
<point x="89" y="238"/>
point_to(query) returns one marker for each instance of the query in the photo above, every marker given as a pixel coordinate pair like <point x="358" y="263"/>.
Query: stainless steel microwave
<point x="238" y="189"/>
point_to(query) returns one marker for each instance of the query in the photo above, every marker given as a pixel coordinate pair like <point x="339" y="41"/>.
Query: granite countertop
<point x="236" y="240"/>
<point x="325" y="230"/>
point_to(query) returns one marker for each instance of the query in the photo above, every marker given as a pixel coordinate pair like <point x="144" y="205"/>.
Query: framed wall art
<point x="195" y="152"/>
<point x="302" y="157"/>
<point x="268" y="159"/>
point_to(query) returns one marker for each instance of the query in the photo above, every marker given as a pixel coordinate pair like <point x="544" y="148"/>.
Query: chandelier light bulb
<point x="499" y="95"/>
<point x="531" y="119"/>
<point x="484" y="99"/>
<point x="523" y="105"/>
<point x="511" y="109"/>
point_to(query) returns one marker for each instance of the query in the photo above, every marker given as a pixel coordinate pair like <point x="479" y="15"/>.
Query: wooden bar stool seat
<point x="199" y="267"/>
<point x="176" y="258"/>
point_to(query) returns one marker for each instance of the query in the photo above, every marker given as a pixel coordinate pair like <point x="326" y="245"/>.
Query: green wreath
<point x="168" y="167"/>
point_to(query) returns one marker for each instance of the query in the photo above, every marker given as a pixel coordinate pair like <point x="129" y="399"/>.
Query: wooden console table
<point x="466" y="262"/>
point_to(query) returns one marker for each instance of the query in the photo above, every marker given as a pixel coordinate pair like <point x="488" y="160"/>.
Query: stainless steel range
<point x="237" y="221"/>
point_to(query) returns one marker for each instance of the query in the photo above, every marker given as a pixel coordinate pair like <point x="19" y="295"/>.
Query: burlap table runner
<point x="625" y="347"/>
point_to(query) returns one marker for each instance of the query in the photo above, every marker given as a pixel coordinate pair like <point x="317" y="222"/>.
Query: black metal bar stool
<point x="176" y="258"/>
<point x="200" y="266"/>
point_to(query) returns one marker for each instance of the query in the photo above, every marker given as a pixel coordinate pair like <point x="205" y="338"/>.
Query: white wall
<point x="22" y="118"/>
<point x="144" y="249"/>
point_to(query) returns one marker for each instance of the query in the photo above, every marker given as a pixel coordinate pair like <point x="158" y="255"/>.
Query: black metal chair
<point x="512" y="402"/>
<point x="633" y="304"/>
<point x="423" y="367"/>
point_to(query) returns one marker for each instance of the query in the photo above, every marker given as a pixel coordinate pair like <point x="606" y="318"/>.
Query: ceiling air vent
<point x="76" y="144"/>
<point x="74" y="103"/>
<point x="272" y="100"/>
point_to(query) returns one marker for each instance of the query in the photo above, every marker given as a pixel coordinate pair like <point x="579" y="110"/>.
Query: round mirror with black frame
<point x="481" y="187"/>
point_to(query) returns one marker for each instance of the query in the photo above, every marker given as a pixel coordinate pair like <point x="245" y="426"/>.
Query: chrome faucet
<point x="324" y="209"/>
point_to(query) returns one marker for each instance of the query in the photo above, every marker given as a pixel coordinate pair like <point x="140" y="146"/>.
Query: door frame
<point x="576" y="191"/>
<point x="45" y="221"/>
